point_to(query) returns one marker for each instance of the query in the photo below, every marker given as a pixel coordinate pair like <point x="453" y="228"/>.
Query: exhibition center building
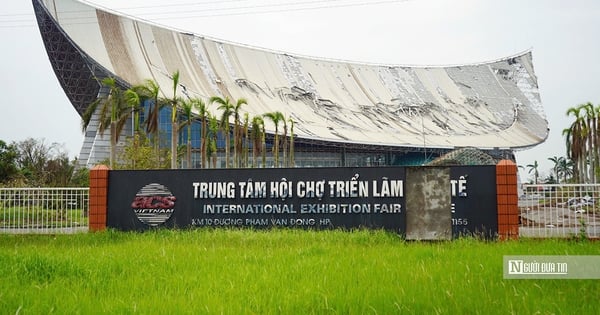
<point x="344" y="113"/>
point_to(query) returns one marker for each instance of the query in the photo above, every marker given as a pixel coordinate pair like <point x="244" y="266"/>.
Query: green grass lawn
<point x="279" y="271"/>
<point x="39" y="217"/>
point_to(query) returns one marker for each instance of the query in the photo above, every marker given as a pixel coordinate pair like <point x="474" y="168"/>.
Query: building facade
<point x="345" y="114"/>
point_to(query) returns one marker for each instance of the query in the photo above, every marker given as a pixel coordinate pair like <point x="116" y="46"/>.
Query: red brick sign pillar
<point x="98" y="197"/>
<point x="507" y="199"/>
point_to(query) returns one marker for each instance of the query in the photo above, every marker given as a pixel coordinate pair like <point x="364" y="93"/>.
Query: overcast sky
<point x="563" y="35"/>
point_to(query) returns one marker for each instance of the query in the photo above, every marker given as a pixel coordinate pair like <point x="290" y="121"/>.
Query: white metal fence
<point x="44" y="210"/>
<point x="549" y="210"/>
<point x="560" y="210"/>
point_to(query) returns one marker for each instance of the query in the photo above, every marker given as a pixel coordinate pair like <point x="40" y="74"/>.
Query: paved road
<point x="541" y="218"/>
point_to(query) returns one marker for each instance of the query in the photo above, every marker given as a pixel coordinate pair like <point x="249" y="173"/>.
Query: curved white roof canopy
<point x="487" y="105"/>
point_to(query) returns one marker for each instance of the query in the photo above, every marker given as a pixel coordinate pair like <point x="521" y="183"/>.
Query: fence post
<point x="98" y="197"/>
<point x="507" y="199"/>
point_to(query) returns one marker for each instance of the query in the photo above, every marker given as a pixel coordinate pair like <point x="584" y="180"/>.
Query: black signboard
<point x="318" y="198"/>
<point x="474" y="205"/>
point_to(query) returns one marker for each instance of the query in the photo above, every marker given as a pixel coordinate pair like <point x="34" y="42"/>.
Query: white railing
<point x="548" y="210"/>
<point x="560" y="210"/>
<point x="44" y="210"/>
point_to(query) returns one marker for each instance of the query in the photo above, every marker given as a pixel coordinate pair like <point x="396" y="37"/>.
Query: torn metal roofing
<point x="464" y="156"/>
<point x="485" y="105"/>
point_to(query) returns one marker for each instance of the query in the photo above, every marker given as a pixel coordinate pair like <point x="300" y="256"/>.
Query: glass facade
<point x="306" y="153"/>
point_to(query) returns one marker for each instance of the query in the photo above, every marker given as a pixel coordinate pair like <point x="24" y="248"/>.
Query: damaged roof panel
<point x="493" y="104"/>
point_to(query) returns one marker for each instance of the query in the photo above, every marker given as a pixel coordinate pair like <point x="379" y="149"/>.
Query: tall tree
<point x="186" y="108"/>
<point x="237" y="131"/>
<point x="574" y="135"/>
<point x="264" y="144"/>
<point x="534" y="168"/>
<point x="556" y="168"/>
<point x="596" y="143"/>
<point x="113" y="114"/>
<point x="60" y="170"/>
<point x="174" y="103"/>
<point x="257" y="137"/>
<point x="245" y="145"/>
<point x="565" y="168"/>
<point x="292" y="158"/>
<point x="149" y="92"/>
<point x="285" y="141"/>
<point x="226" y="107"/>
<point x="203" y="113"/>
<point x="8" y="162"/>
<point x="44" y="165"/>
<point x="134" y="100"/>
<point x="581" y="140"/>
<point x="213" y="127"/>
<point x="275" y="117"/>
<point x="571" y="153"/>
<point x="33" y="155"/>
<point x="590" y="138"/>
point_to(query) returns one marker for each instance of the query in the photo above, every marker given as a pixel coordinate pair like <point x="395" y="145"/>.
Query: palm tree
<point x="174" y="104"/>
<point x="275" y="117"/>
<point x="257" y="137"/>
<point x="227" y="110"/>
<point x="292" y="160"/>
<point x="565" y="168"/>
<point x="285" y="141"/>
<point x="211" y="151"/>
<point x="245" y="144"/>
<point x="134" y="101"/>
<point x="213" y="124"/>
<point x="237" y="131"/>
<point x="202" y="109"/>
<point x="590" y="138"/>
<point x="150" y="91"/>
<point x="264" y="144"/>
<point x="596" y="142"/>
<point x="113" y="114"/>
<point x="568" y="134"/>
<point x="556" y="160"/>
<point x="575" y="140"/>
<point x="534" y="168"/>
<point x="186" y="108"/>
